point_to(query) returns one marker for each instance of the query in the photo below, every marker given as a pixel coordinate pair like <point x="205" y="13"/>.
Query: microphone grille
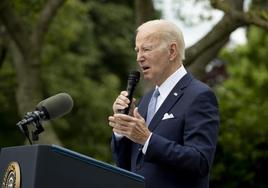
<point x="134" y="76"/>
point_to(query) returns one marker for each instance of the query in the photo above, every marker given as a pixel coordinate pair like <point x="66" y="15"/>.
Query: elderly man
<point x="170" y="139"/>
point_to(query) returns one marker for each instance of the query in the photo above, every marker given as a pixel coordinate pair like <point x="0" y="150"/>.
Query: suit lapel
<point x="172" y="98"/>
<point x="175" y="94"/>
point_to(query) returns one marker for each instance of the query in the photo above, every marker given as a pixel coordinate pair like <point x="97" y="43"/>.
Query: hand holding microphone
<point x="133" y="125"/>
<point x="124" y="101"/>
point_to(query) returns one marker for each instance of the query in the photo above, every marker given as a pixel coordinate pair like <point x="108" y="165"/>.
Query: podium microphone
<point x="50" y="108"/>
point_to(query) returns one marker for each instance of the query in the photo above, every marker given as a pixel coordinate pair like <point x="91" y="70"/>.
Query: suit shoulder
<point x="199" y="86"/>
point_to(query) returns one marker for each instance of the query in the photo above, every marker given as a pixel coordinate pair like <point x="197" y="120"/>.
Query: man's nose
<point x="139" y="57"/>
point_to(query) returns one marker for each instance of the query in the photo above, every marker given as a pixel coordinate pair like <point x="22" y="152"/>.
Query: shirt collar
<point x="166" y="87"/>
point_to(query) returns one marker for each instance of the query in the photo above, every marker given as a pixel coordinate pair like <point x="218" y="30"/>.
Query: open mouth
<point x="145" y="68"/>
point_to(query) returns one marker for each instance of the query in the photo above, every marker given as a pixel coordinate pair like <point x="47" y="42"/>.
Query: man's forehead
<point x="149" y="30"/>
<point x="149" y="37"/>
<point x="154" y="25"/>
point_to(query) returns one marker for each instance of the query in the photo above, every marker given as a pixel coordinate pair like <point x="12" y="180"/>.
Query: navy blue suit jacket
<point x="181" y="149"/>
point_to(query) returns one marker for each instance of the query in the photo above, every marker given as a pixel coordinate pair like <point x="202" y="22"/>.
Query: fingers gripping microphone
<point x="50" y="108"/>
<point x="133" y="79"/>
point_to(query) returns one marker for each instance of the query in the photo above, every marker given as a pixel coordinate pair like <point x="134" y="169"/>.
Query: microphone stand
<point x="24" y="129"/>
<point x="39" y="129"/>
<point x="23" y="126"/>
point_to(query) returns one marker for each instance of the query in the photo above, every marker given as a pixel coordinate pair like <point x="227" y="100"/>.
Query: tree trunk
<point x="26" y="46"/>
<point x="144" y="11"/>
<point x="205" y="50"/>
<point x="29" y="90"/>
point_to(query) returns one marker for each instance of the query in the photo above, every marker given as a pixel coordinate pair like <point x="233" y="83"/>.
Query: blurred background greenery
<point x="85" y="48"/>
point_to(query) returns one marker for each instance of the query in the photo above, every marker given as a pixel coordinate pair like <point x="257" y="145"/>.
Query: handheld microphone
<point x="133" y="79"/>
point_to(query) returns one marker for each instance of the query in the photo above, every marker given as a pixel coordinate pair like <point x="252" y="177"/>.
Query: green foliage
<point x="28" y="11"/>
<point x="87" y="49"/>
<point x="86" y="53"/>
<point x="114" y="31"/>
<point x="9" y="134"/>
<point x="242" y="154"/>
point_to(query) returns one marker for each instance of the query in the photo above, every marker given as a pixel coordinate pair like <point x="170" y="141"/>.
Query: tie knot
<point x="156" y="93"/>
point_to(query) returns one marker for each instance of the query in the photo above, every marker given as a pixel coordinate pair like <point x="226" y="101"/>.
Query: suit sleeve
<point x="121" y="152"/>
<point x="195" y="155"/>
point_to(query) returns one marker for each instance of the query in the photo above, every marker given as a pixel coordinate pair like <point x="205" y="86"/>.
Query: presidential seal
<point x="12" y="176"/>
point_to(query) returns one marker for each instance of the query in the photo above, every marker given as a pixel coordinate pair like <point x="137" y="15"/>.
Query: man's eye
<point x="147" y="49"/>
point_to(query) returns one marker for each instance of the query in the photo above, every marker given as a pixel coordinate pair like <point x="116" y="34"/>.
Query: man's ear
<point x="173" y="51"/>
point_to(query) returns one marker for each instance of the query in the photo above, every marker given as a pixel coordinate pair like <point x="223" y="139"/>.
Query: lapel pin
<point x="176" y="94"/>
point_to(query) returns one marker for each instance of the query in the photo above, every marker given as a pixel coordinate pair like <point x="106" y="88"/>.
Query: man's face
<point x="152" y="56"/>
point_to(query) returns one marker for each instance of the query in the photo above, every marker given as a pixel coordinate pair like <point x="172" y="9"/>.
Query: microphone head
<point x="134" y="76"/>
<point x="56" y="106"/>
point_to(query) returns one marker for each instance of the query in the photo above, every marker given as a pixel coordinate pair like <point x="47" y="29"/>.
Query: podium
<point x="51" y="166"/>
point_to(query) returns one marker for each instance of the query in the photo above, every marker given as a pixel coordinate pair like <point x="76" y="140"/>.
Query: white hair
<point x="170" y="31"/>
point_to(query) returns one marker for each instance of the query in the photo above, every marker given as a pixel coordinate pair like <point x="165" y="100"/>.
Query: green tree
<point x="82" y="54"/>
<point x="8" y="110"/>
<point x="242" y="154"/>
<point x="87" y="66"/>
<point x="25" y="27"/>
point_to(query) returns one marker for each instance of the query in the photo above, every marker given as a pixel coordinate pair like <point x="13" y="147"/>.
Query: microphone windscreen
<point x="56" y="106"/>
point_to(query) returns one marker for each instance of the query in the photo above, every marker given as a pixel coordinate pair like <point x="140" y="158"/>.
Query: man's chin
<point x="147" y="77"/>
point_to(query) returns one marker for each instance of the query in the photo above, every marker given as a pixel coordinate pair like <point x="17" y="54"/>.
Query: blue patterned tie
<point x="152" y="106"/>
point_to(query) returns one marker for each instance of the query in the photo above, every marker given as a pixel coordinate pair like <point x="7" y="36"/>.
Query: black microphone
<point x="133" y="79"/>
<point x="50" y="108"/>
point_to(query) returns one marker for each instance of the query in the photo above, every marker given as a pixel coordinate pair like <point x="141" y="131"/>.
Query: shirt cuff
<point x="144" y="149"/>
<point x="118" y="136"/>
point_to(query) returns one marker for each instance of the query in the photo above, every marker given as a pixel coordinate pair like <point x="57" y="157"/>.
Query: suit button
<point x="138" y="166"/>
